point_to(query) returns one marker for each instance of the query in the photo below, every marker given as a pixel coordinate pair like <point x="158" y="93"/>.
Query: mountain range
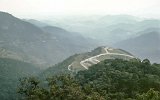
<point x="42" y="46"/>
<point x="108" y="29"/>
<point x="136" y="35"/>
<point x="28" y="46"/>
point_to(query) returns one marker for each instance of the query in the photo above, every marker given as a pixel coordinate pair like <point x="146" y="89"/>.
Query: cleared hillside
<point x="83" y="61"/>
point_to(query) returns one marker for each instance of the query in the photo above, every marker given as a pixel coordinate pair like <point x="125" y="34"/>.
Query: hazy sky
<point x="39" y="8"/>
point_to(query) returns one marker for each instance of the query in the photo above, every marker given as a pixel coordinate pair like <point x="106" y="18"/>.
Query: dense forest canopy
<point x="108" y="80"/>
<point x="10" y="72"/>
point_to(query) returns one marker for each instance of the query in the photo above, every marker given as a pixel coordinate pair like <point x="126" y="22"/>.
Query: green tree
<point x="30" y="90"/>
<point x="63" y="87"/>
<point x="150" y="95"/>
<point x="108" y="80"/>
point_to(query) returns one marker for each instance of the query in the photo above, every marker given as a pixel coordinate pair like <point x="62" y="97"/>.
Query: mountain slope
<point x="144" y="46"/>
<point x="10" y="72"/>
<point x="38" y="46"/>
<point x="36" y="22"/>
<point x="71" y="39"/>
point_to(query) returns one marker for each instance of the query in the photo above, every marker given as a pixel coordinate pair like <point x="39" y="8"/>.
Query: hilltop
<point x="83" y="61"/>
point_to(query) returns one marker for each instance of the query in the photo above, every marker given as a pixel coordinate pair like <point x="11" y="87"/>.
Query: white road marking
<point x="69" y="67"/>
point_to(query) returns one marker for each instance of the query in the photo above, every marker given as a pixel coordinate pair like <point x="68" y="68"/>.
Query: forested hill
<point x="10" y="72"/>
<point x="113" y="79"/>
<point x="85" y="60"/>
<point x="118" y="79"/>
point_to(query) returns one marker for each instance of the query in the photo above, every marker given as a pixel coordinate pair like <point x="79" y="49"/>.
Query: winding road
<point x="94" y="60"/>
<point x="69" y="67"/>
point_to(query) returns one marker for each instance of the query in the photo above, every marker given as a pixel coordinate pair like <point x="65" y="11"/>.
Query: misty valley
<point x="111" y="57"/>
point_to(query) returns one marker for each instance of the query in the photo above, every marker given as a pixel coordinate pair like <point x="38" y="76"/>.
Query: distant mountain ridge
<point x="144" y="46"/>
<point x="36" y="22"/>
<point x="108" y="29"/>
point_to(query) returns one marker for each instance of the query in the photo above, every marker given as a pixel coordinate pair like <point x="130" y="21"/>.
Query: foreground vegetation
<point x="10" y="72"/>
<point x="109" y="80"/>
